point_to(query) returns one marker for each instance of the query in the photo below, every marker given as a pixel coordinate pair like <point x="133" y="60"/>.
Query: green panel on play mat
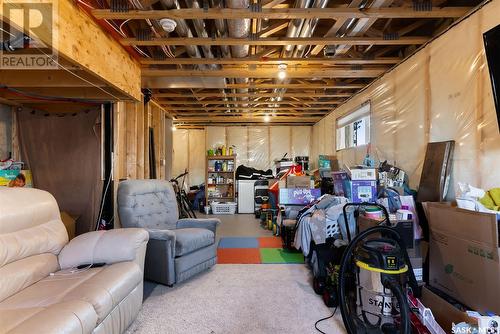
<point x="278" y="255"/>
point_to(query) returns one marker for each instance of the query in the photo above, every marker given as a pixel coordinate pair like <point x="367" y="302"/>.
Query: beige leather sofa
<point x="40" y="289"/>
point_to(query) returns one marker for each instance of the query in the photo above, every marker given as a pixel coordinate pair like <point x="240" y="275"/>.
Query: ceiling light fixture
<point x="174" y="128"/>
<point x="267" y="118"/>
<point x="282" y="71"/>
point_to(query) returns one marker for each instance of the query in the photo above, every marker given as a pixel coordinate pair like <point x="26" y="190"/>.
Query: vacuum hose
<point x="346" y="269"/>
<point x="404" y="309"/>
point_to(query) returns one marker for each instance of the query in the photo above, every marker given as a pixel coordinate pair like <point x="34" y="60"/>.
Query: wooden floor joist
<point x="267" y="109"/>
<point x="267" y="73"/>
<point x="227" y="119"/>
<point x="283" y="13"/>
<point x="282" y="41"/>
<point x="272" y="61"/>
<point x="240" y="113"/>
<point x="250" y="102"/>
<point x="312" y="95"/>
<point x="295" y="86"/>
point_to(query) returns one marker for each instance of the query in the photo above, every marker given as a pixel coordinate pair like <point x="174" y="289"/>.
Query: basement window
<point x="353" y="130"/>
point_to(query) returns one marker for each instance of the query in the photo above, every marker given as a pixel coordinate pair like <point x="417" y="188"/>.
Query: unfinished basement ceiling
<point x="220" y="65"/>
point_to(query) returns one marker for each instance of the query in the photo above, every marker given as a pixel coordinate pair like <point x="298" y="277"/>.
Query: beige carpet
<point x="236" y="299"/>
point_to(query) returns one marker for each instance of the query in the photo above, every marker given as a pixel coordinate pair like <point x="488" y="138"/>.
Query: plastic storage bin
<point x="228" y="208"/>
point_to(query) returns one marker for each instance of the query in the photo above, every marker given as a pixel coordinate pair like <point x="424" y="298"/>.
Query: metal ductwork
<point x="182" y="28"/>
<point x="221" y="27"/>
<point x="199" y="27"/>
<point x="295" y="27"/>
<point x="239" y="29"/>
<point x="308" y="28"/>
<point x="299" y="28"/>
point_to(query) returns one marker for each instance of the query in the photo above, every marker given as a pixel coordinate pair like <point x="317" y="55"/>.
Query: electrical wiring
<point x="85" y="4"/>
<point x="39" y="97"/>
<point x="121" y="27"/>
<point x="323" y="319"/>
<point x="77" y="76"/>
<point x="121" y="32"/>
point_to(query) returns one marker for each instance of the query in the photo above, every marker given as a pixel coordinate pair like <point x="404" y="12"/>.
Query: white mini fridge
<point x="246" y="199"/>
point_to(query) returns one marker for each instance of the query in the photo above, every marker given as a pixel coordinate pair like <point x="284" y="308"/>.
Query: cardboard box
<point x="298" y="196"/>
<point x="293" y="181"/>
<point x="363" y="191"/>
<point x="328" y="162"/>
<point x="70" y="224"/>
<point x="341" y="184"/>
<point x="403" y="227"/>
<point x="6" y="176"/>
<point x="445" y="313"/>
<point x="464" y="256"/>
<point x="367" y="174"/>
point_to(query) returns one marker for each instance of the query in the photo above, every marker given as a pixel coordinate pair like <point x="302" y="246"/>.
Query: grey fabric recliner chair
<point x="177" y="248"/>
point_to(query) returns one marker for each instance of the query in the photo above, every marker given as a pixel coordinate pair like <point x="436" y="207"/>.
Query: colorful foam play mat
<point x="249" y="250"/>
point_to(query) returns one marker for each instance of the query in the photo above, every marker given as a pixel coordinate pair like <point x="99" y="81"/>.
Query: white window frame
<point x="344" y="125"/>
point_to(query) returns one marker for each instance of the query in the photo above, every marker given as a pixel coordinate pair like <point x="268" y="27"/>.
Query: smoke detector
<point x="168" y="25"/>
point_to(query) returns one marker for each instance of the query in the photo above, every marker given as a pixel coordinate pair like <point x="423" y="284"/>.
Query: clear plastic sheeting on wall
<point x="410" y="136"/>
<point x="196" y="155"/>
<point x="254" y="146"/>
<point x="301" y="141"/>
<point x="215" y="136"/>
<point x="237" y="137"/>
<point x="180" y="152"/>
<point x="454" y="83"/>
<point x="441" y="93"/>
<point x="258" y="147"/>
<point x="280" y="142"/>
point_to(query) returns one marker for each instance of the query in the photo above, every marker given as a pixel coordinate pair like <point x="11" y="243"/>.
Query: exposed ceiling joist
<point x="332" y="32"/>
<point x="274" y="28"/>
<point x="414" y="40"/>
<point x="201" y="126"/>
<point x="226" y="119"/>
<point x="258" y="113"/>
<point x="295" y="86"/>
<point x="272" y="61"/>
<point x="271" y="3"/>
<point x="263" y="102"/>
<point x="267" y="73"/>
<point x="213" y="95"/>
<point x="266" y="109"/>
<point x="283" y="13"/>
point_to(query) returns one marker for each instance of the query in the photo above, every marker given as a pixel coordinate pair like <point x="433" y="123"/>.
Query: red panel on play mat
<point x="270" y="242"/>
<point x="238" y="256"/>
